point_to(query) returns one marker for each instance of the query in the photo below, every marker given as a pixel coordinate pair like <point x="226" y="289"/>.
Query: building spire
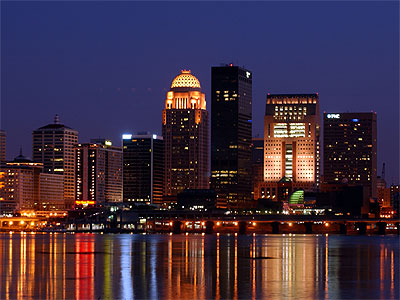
<point x="56" y="119"/>
<point x="20" y="150"/>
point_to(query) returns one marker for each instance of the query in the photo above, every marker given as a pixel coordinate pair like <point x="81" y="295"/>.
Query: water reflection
<point x="84" y="272"/>
<point x="126" y="269"/>
<point x="86" y="266"/>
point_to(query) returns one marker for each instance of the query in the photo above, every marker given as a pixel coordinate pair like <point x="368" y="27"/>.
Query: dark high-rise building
<point x="2" y="147"/>
<point x="257" y="151"/>
<point x="143" y="168"/>
<point x="231" y="135"/>
<point x="380" y="190"/>
<point x="394" y="195"/>
<point x="292" y="142"/>
<point x="98" y="173"/>
<point x="350" y="149"/>
<point x="257" y="166"/>
<point x="186" y="141"/>
<point x="53" y="146"/>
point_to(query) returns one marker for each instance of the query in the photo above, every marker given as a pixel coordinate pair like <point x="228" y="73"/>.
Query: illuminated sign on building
<point x="85" y="202"/>
<point x="126" y="136"/>
<point x="333" y="116"/>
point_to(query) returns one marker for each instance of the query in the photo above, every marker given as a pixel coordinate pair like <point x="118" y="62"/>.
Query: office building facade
<point x="257" y="166"/>
<point x="185" y="131"/>
<point x="292" y="142"/>
<point x="98" y="173"/>
<point x="350" y="149"/>
<point x="143" y="168"/>
<point x="53" y="146"/>
<point x="231" y="135"/>
<point x="24" y="187"/>
<point x="395" y="198"/>
<point x="380" y="190"/>
<point x="51" y="192"/>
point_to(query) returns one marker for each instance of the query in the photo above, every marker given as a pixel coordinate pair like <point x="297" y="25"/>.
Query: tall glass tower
<point x="350" y="149"/>
<point x="231" y="135"/>
<point x="143" y="168"/>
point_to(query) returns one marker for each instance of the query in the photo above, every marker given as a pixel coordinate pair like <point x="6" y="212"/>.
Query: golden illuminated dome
<point x="185" y="80"/>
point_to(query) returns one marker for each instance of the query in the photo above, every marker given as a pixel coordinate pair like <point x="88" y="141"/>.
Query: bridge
<point x="157" y="221"/>
<point x="11" y="224"/>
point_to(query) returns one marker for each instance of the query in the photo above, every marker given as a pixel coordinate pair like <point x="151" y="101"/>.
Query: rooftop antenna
<point x="20" y="150"/>
<point x="383" y="172"/>
<point x="56" y="119"/>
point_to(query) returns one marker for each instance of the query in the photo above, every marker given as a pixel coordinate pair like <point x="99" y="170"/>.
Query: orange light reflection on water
<point x="87" y="266"/>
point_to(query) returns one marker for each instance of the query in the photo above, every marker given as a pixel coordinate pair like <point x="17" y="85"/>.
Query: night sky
<point x="105" y="67"/>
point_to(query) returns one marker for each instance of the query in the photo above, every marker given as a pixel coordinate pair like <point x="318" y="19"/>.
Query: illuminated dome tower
<point x="185" y="132"/>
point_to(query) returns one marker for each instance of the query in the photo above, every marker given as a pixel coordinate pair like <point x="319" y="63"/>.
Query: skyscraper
<point x="231" y="134"/>
<point x="257" y="166"/>
<point x="53" y="146"/>
<point x="98" y="173"/>
<point x="143" y="168"/>
<point x="350" y="149"/>
<point x="380" y="190"/>
<point x="185" y="132"/>
<point x="292" y="142"/>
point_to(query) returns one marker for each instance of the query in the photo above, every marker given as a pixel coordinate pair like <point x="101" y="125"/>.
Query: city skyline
<point x="199" y="150"/>
<point x="127" y="86"/>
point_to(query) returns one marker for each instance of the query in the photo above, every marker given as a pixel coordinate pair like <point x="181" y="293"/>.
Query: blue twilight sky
<point x="105" y="67"/>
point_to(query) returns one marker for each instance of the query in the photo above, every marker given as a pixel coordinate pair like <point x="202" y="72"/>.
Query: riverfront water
<point x="124" y="266"/>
